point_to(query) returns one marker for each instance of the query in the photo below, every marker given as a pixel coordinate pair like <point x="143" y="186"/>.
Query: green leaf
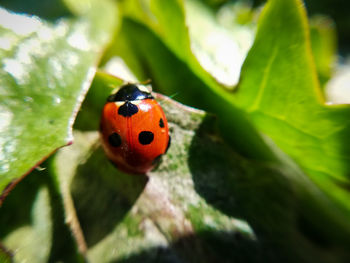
<point x="45" y="71"/>
<point x="4" y="256"/>
<point x="280" y="91"/>
<point x="39" y="232"/>
<point x="32" y="226"/>
<point x="218" y="42"/>
<point x="47" y="9"/>
<point x="28" y="231"/>
<point x="323" y="44"/>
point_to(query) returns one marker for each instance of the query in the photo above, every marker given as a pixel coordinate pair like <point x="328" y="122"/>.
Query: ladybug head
<point x="130" y="92"/>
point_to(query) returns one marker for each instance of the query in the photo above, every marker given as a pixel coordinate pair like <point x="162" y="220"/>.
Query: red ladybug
<point x="134" y="130"/>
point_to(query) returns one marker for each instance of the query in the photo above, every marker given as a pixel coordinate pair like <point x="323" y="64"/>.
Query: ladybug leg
<point x="156" y="162"/>
<point x="169" y="142"/>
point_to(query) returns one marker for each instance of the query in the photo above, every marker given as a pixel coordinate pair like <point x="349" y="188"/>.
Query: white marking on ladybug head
<point x="144" y="88"/>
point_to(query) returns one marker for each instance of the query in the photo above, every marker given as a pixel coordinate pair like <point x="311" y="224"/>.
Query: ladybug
<point x="133" y="129"/>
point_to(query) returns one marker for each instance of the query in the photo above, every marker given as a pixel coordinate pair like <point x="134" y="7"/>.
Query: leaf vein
<point x="263" y="84"/>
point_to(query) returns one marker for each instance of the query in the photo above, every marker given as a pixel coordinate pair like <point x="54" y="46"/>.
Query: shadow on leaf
<point x="208" y="246"/>
<point x="16" y="210"/>
<point x="47" y="9"/>
<point x="261" y="194"/>
<point x="102" y="195"/>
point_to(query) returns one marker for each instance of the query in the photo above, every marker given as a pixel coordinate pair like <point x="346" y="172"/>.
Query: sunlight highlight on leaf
<point x="45" y="74"/>
<point x="220" y="50"/>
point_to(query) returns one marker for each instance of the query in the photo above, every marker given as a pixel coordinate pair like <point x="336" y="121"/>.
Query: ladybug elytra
<point x="134" y="129"/>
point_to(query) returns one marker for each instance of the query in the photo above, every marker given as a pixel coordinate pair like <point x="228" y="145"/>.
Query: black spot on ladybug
<point x="129" y="92"/>
<point x="157" y="159"/>
<point x="114" y="139"/>
<point x="128" y="109"/>
<point x="161" y="123"/>
<point x="169" y="142"/>
<point x="146" y="137"/>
